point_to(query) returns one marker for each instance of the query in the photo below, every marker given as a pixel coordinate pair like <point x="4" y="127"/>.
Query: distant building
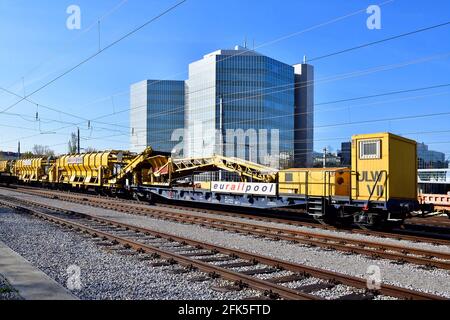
<point x="240" y="89"/>
<point x="332" y="160"/>
<point x="304" y="116"/>
<point x="434" y="179"/>
<point x="345" y="154"/>
<point x="157" y="110"/>
<point x="236" y="103"/>
<point x="429" y="159"/>
<point x="8" y="155"/>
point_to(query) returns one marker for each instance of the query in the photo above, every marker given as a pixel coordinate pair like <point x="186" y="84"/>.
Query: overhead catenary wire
<point x="316" y="111"/>
<point x="350" y="123"/>
<point x="421" y="116"/>
<point x="227" y="57"/>
<point x="315" y="140"/>
<point x="334" y="20"/>
<point x="343" y="101"/>
<point x="271" y="42"/>
<point x="84" y="31"/>
<point x="333" y="78"/>
<point x="335" y="109"/>
<point x="307" y="84"/>
<point x="180" y="108"/>
<point x="56" y="110"/>
<point x="365" y="45"/>
<point x="334" y="138"/>
<point x="104" y="138"/>
<point x="112" y="44"/>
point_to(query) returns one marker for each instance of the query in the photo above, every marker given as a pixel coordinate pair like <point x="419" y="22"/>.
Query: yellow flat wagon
<point x="4" y="166"/>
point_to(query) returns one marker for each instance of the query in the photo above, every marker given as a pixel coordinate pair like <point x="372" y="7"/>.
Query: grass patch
<point x="5" y="290"/>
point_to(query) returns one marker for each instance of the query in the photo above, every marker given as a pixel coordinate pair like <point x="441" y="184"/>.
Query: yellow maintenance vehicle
<point x="6" y="172"/>
<point x="91" y="170"/>
<point x="5" y="166"/>
<point x="34" y="170"/>
<point x="381" y="184"/>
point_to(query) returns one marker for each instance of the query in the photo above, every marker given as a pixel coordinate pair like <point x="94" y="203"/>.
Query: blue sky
<point x="36" y="46"/>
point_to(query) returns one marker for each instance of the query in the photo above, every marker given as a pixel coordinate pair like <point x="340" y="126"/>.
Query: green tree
<point x="73" y="143"/>
<point x="27" y="155"/>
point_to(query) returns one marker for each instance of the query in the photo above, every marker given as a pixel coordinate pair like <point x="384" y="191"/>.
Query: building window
<point x="289" y="177"/>
<point x="370" y="149"/>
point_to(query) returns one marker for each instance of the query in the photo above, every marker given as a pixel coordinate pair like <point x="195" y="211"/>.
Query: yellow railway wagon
<point x="385" y="167"/>
<point x="4" y="166"/>
<point x="32" y="170"/>
<point x="93" y="169"/>
<point x="315" y="182"/>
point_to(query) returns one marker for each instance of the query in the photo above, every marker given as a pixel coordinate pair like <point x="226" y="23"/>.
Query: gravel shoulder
<point x="103" y="275"/>
<point x="406" y="275"/>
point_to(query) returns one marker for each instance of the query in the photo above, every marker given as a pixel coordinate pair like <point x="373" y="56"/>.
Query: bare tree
<point x="42" y="151"/>
<point x="90" y="150"/>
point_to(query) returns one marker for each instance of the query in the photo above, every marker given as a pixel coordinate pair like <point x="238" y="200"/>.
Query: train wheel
<point x="139" y="197"/>
<point x="150" y="199"/>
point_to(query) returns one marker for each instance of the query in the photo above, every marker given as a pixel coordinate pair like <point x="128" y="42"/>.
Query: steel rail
<point x="388" y="290"/>
<point x="254" y="283"/>
<point x="393" y="236"/>
<point x="368" y="248"/>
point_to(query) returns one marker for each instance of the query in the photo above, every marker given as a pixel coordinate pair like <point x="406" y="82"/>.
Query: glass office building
<point x="241" y="103"/>
<point x="304" y="116"/>
<point x="157" y="110"/>
<point x="429" y="159"/>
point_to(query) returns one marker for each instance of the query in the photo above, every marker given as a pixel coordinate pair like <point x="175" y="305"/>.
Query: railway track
<point x="213" y="260"/>
<point x="439" y="222"/>
<point x="397" y="253"/>
<point x="396" y="235"/>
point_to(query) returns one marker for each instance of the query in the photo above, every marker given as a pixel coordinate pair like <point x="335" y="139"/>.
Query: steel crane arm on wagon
<point x="177" y="168"/>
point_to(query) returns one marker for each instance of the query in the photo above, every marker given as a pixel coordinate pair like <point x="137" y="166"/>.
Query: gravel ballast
<point x="103" y="275"/>
<point x="407" y="275"/>
<point x="344" y="234"/>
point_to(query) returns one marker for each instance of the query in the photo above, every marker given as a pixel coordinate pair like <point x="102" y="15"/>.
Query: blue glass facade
<point x="157" y="110"/>
<point x="236" y="103"/>
<point x="257" y="94"/>
<point x="232" y="90"/>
